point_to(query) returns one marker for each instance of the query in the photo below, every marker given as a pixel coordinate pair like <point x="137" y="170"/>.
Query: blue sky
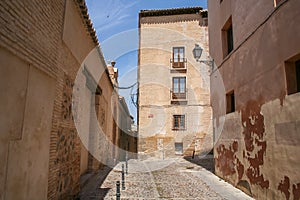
<point x="116" y="24"/>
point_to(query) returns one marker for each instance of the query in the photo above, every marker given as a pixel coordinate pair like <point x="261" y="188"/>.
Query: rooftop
<point x="172" y="11"/>
<point x="87" y="21"/>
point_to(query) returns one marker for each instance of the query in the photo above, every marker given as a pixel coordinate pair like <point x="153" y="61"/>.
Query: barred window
<point x="178" y="122"/>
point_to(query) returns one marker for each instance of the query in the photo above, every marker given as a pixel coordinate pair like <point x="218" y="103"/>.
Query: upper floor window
<point x="178" y="57"/>
<point x="178" y="122"/>
<point x="230" y="102"/>
<point x="227" y="37"/>
<point x="179" y="88"/>
<point x="292" y="72"/>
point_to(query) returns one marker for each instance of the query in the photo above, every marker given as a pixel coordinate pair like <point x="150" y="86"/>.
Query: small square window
<point x="230" y="102"/>
<point x="178" y="122"/>
<point x="178" y="148"/>
<point x="292" y="72"/>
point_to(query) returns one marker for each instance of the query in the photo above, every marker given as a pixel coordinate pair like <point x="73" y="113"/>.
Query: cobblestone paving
<point x="154" y="179"/>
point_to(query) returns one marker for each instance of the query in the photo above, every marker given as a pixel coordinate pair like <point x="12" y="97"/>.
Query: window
<point x="297" y="66"/>
<point x="178" y="57"/>
<point x="292" y="71"/>
<point x="178" y="122"/>
<point x="178" y="148"/>
<point x="230" y="102"/>
<point x="227" y="37"/>
<point x="179" y="88"/>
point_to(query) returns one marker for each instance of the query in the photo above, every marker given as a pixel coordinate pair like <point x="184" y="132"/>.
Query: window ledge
<point x="293" y="94"/>
<point x="230" y="114"/>
<point x="228" y="55"/>
<point x="178" y="70"/>
<point x="178" y="129"/>
<point x="179" y="102"/>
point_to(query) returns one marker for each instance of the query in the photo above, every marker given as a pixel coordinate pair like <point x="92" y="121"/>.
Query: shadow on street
<point x="91" y="188"/>
<point x="206" y="161"/>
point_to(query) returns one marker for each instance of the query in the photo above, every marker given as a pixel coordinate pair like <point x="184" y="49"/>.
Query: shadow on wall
<point x="206" y="161"/>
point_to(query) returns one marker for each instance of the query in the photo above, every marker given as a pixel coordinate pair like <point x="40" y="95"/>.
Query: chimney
<point x="113" y="63"/>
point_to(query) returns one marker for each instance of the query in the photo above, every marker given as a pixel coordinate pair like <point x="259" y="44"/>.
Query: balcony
<point x="178" y="65"/>
<point x="179" y="98"/>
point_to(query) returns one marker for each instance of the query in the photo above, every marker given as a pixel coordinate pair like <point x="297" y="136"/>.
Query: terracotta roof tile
<point x="86" y="19"/>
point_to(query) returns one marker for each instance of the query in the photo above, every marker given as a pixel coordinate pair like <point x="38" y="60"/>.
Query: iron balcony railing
<point x="179" y="63"/>
<point x="177" y="96"/>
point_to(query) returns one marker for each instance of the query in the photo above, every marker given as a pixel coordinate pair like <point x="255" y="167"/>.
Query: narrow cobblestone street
<point x="162" y="179"/>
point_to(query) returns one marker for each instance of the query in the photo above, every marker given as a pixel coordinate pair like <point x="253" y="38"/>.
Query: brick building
<point x="42" y="47"/>
<point x="256" y="47"/>
<point x="174" y="112"/>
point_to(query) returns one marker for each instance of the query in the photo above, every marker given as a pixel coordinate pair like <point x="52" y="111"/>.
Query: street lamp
<point x="197" y="51"/>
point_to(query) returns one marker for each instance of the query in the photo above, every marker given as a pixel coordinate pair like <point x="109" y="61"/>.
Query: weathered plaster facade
<point x="127" y="138"/>
<point x="42" y="47"/>
<point x="161" y="31"/>
<point x="258" y="146"/>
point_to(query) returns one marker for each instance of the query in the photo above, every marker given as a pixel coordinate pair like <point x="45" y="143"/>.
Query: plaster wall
<point x="42" y="46"/>
<point x="256" y="148"/>
<point x="84" y="129"/>
<point x="127" y="138"/>
<point x="25" y="126"/>
<point x="110" y="101"/>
